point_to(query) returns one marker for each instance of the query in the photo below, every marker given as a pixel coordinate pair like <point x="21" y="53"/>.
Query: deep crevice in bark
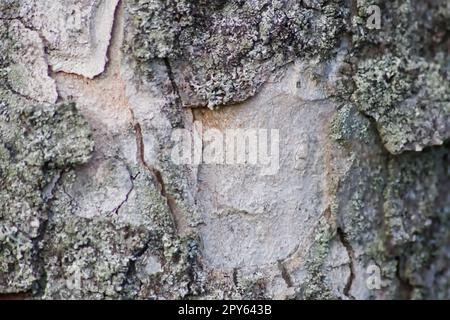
<point x="285" y="274"/>
<point x="157" y="176"/>
<point x="351" y="255"/>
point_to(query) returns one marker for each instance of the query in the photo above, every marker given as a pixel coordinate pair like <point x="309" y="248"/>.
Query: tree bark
<point x="339" y="111"/>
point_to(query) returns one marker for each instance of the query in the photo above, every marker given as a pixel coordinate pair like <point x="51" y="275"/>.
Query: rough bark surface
<point x="92" y="205"/>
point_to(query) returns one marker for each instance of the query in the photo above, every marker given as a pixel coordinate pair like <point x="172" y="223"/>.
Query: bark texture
<point x="93" y="206"/>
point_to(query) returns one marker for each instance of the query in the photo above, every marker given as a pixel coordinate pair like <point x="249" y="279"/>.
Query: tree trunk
<point x="224" y="149"/>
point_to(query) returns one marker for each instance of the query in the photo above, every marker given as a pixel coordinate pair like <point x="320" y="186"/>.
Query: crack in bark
<point x="23" y="96"/>
<point x="29" y="27"/>
<point x="235" y="277"/>
<point x="406" y="289"/>
<point x="45" y="44"/>
<point x="127" y="196"/>
<point x="156" y="174"/>
<point x="173" y="83"/>
<point x="131" y="266"/>
<point x="351" y="255"/>
<point x="38" y="263"/>
<point x="285" y="274"/>
<point x="199" y="167"/>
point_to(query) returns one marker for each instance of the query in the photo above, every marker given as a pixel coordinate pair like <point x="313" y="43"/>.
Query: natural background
<point x="91" y="206"/>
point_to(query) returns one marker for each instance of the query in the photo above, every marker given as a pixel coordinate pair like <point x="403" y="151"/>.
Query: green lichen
<point x="251" y="286"/>
<point x="415" y="209"/>
<point x="181" y="274"/>
<point x="348" y="126"/>
<point x="221" y="52"/>
<point x="393" y="209"/>
<point x="314" y="287"/>
<point x="9" y="8"/>
<point x="409" y="99"/>
<point x="104" y="256"/>
<point x="357" y="186"/>
<point x="392" y="206"/>
<point x="410" y="195"/>
<point x="403" y="82"/>
<point x="37" y="142"/>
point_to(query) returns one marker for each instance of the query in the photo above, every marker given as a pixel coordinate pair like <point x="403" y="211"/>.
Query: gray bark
<point x="93" y="205"/>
